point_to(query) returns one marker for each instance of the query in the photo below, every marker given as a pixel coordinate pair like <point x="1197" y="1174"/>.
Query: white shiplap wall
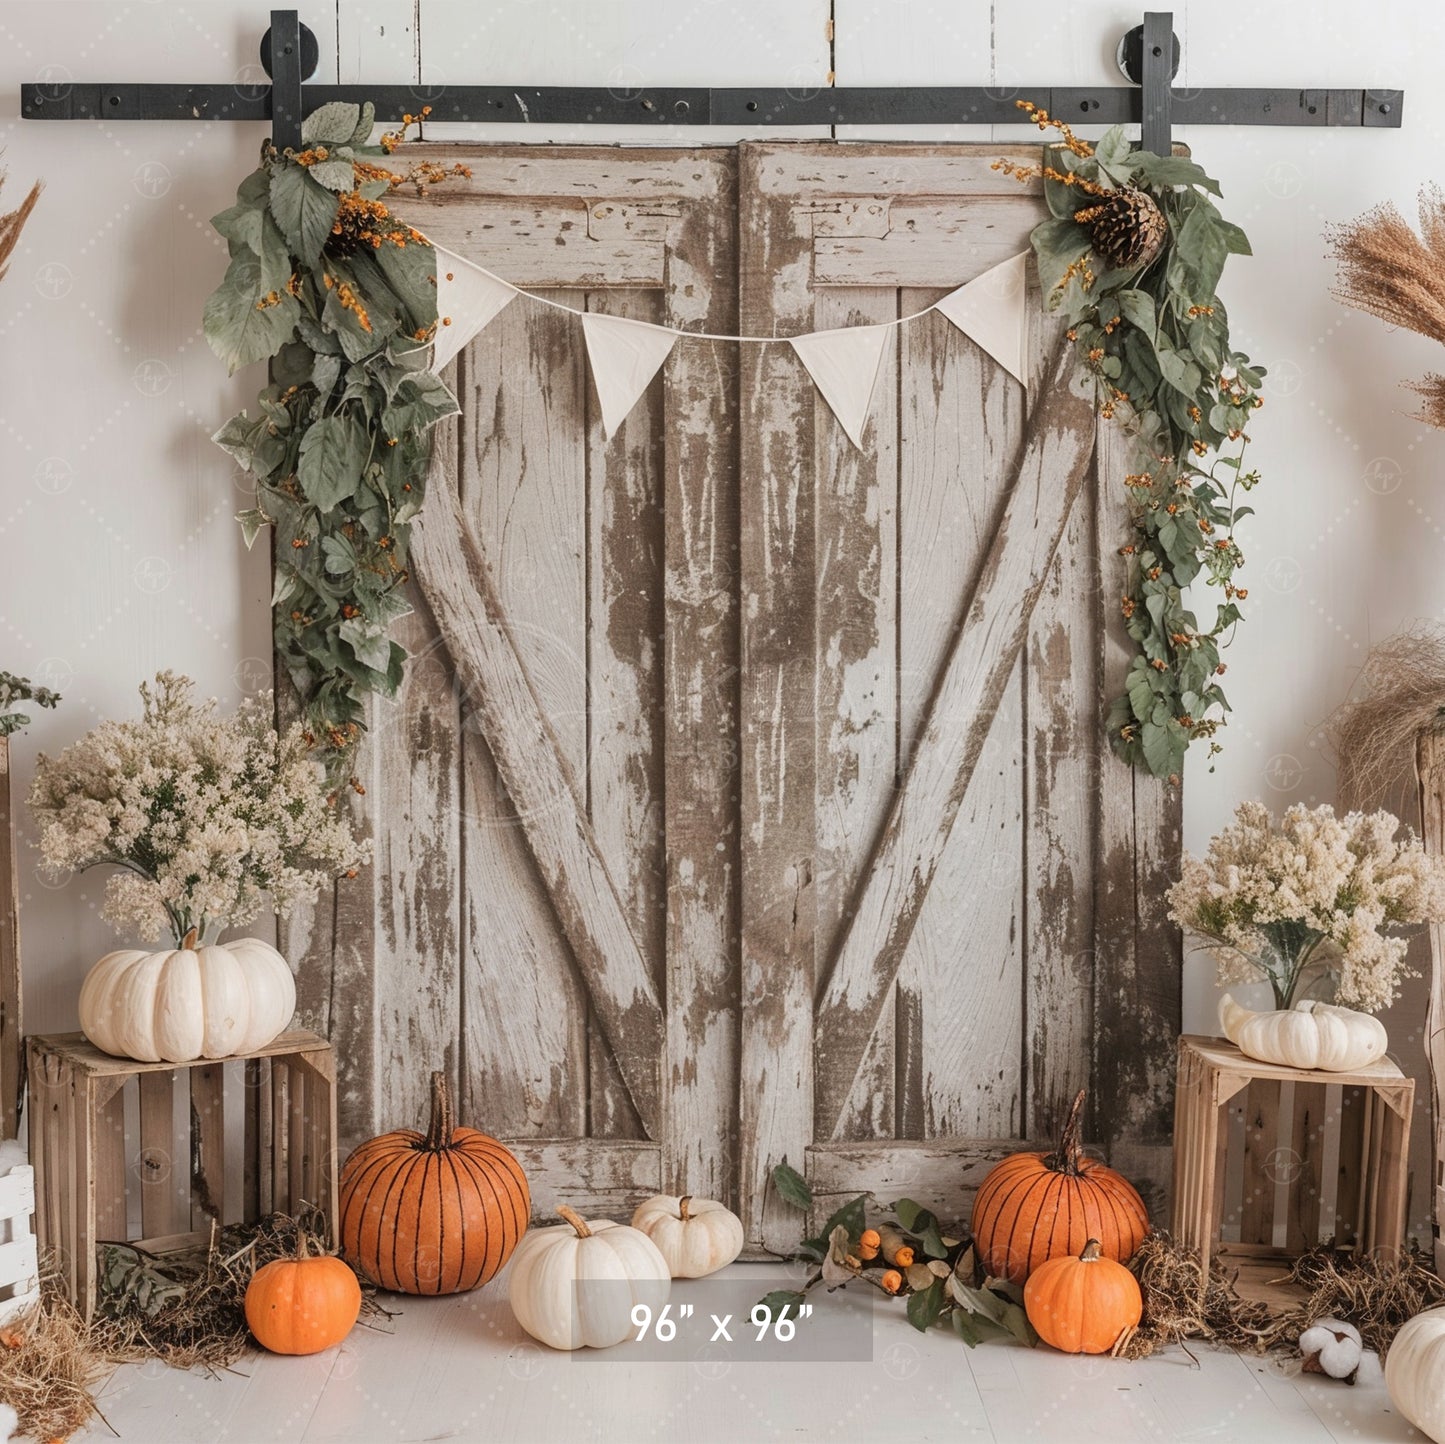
<point x="119" y="555"/>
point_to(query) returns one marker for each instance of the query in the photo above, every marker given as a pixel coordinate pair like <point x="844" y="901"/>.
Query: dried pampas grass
<point x="1389" y="271"/>
<point x="1401" y="693"/>
<point x="13" y="222"/>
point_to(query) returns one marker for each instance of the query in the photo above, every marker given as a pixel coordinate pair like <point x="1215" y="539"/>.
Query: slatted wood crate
<point x="154" y="1153"/>
<point x="1269" y="1160"/>
<point x="19" y="1264"/>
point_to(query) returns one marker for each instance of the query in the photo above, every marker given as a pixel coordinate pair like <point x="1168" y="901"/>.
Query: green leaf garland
<point x="1154" y="340"/>
<point x="340" y="297"/>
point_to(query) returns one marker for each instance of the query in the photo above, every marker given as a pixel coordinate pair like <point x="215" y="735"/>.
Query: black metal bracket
<point x="290" y="53"/>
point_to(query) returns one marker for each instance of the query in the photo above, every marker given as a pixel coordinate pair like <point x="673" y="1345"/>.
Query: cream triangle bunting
<point x="844" y="364"/>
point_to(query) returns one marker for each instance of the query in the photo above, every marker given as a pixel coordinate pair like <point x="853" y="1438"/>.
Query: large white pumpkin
<point x="696" y="1236"/>
<point x="188" y="1003"/>
<point x="1309" y="1035"/>
<point x="1415" y="1372"/>
<point x="574" y="1285"/>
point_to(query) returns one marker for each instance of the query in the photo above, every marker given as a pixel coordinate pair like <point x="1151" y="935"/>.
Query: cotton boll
<point x="9" y="1421"/>
<point x="1332" y="1347"/>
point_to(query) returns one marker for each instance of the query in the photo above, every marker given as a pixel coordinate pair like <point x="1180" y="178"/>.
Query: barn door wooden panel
<point x="746" y="796"/>
<point x="922" y="761"/>
<point x="552" y="913"/>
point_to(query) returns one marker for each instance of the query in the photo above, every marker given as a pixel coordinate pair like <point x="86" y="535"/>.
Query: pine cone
<point x="1127" y="228"/>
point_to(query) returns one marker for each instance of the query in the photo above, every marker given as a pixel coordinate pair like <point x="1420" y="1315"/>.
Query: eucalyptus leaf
<point x="335" y="123"/>
<point x="335" y="175"/>
<point x="924" y="1307"/>
<point x="792" y="1187"/>
<point x="241" y="329"/>
<point x="304" y="210"/>
<point x="252" y="521"/>
<point x="369" y="643"/>
<point x="333" y="452"/>
<point x="365" y="120"/>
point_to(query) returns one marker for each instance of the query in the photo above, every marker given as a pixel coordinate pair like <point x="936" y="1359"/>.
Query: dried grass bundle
<point x="188" y="1308"/>
<point x="48" y="1367"/>
<point x="13" y="223"/>
<point x="1401" y="693"/>
<point x="1376" y="1295"/>
<point x="1180" y="1303"/>
<point x="1387" y="270"/>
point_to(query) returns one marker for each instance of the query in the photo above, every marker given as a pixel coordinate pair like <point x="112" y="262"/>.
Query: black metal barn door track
<point x="1148" y="56"/>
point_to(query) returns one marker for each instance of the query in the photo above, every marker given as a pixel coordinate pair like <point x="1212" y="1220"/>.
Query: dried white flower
<point x="1316" y="890"/>
<point x="207" y="814"/>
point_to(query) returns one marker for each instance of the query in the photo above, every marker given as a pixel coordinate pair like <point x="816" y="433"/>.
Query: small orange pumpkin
<point x="302" y="1305"/>
<point x="1083" y="1305"/>
<point x="432" y="1213"/>
<point x="1037" y="1206"/>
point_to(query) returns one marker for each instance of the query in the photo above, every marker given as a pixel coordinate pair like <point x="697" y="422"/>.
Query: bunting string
<point x="844" y="363"/>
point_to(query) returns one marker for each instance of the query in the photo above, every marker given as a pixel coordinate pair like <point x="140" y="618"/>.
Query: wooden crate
<point x="1251" y="1145"/>
<point x="153" y="1153"/>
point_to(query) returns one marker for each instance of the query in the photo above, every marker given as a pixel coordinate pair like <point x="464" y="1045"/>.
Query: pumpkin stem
<point x="189" y="941"/>
<point x="575" y="1219"/>
<point x="1067" y="1157"/>
<point x="439" y="1132"/>
<point x="1092" y="1250"/>
<point x="682" y="1209"/>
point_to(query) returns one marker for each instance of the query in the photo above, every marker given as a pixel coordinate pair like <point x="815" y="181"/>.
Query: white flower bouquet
<point x="205" y="815"/>
<point x="1312" y="899"/>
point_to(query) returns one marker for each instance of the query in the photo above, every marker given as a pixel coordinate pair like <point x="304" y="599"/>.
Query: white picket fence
<point x="19" y="1260"/>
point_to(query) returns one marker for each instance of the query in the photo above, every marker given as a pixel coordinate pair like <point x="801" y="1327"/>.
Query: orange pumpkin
<point x="1037" y="1206"/>
<point x="304" y="1304"/>
<point x="1083" y="1305"/>
<point x="432" y="1213"/>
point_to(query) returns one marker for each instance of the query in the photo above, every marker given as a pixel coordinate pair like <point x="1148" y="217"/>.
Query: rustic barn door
<point x="551" y="913"/>
<point x="746" y="798"/>
<point x="939" y="926"/>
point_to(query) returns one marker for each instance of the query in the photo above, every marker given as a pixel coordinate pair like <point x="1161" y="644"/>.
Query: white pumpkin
<point x="574" y="1285"/>
<point x="1415" y="1372"/>
<point x="696" y="1236"/>
<point x="187" y="1003"/>
<point x="1309" y="1035"/>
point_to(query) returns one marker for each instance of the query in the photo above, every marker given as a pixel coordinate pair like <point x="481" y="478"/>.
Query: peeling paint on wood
<point x="736" y="699"/>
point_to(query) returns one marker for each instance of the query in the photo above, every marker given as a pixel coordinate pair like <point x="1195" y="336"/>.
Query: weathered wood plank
<point x="458" y="582"/>
<point x="983" y="657"/>
<point x="11" y="1021"/>
<point x="1137" y="949"/>
<point x="961" y="973"/>
<point x="858" y="646"/>
<point x="517" y="450"/>
<point x="1430" y="770"/>
<point x="416" y="945"/>
<point x="208" y="1141"/>
<point x="1061" y="765"/>
<point x="779" y="608"/>
<point x="809" y="169"/>
<point x="942" y="1173"/>
<point x="700" y="697"/>
<point x="600" y="1178"/>
<point x="1261" y="1164"/>
<point x="156" y="1159"/>
<point x="1304" y="1167"/>
<point x="623" y="698"/>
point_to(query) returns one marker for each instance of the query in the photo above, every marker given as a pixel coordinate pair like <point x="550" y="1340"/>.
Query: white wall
<point x="119" y="552"/>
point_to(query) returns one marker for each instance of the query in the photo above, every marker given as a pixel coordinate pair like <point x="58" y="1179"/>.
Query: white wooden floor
<point x="460" y="1369"/>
